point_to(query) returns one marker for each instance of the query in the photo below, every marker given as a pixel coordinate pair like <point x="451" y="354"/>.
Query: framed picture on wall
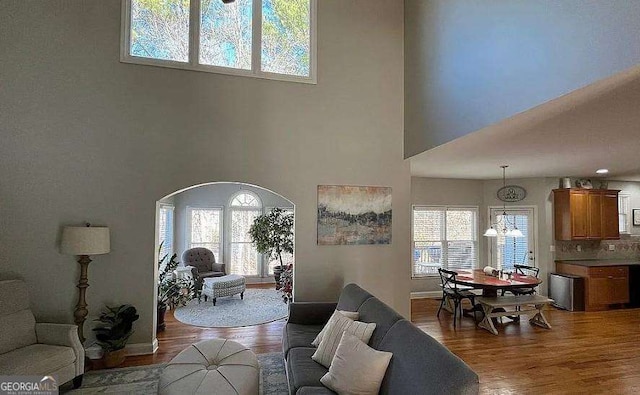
<point x="636" y="217"/>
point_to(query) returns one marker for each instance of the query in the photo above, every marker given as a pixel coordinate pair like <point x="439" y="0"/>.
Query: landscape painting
<point x="354" y="215"/>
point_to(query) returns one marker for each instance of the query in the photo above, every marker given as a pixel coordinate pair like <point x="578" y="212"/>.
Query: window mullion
<point x="445" y="245"/>
<point x="194" y="32"/>
<point x="256" y="38"/>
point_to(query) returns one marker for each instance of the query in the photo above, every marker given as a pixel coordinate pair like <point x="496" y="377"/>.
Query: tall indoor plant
<point x="172" y="290"/>
<point x="273" y="235"/>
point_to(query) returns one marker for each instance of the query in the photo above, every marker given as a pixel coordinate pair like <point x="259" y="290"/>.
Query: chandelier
<point x="503" y="226"/>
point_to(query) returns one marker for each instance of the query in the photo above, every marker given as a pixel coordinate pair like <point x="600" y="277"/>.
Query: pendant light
<point x="503" y="226"/>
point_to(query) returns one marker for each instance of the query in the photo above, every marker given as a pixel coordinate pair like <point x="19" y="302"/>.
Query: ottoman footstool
<point x="229" y="285"/>
<point x="215" y="366"/>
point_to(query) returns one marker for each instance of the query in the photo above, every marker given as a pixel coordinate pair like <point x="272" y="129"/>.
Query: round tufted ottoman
<point x="215" y="366"/>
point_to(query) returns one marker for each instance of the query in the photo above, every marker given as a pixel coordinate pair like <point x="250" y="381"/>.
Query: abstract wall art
<point x="354" y="215"/>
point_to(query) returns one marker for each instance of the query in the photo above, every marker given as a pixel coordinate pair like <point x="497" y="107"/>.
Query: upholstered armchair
<point x="203" y="265"/>
<point x="36" y="349"/>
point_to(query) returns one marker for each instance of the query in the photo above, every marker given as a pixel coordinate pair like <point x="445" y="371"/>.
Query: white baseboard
<point x="426" y="295"/>
<point x="142" y="348"/>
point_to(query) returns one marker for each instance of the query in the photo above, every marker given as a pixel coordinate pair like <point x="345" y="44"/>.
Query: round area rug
<point x="258" y="307"/>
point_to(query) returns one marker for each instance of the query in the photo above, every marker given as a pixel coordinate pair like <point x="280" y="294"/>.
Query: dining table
<point x="491" y="285"/>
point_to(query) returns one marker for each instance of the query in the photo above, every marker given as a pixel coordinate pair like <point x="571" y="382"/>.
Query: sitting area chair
<point x="28" y="348"/>
<point x="203" y="265"/>
<point x="451" y="291"/>
<point x="525" y="271"/>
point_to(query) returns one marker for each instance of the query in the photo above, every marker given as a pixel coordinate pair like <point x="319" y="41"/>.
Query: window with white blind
<point x="624" y="213"/>
<point x="165" y="229"/>
<point x="444" y="237"/>
<point x="245" y="260"/>
<point x="507" y="251"/>
<point x="205" y="229"/>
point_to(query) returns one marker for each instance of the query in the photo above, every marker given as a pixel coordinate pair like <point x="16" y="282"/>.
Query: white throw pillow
<point x="354" y="315"/>
<point x="356" y="369"/>
<point x="331" y="339"/>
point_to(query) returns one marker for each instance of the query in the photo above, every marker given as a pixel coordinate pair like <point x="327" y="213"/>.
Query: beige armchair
<point x="36" y="349"/>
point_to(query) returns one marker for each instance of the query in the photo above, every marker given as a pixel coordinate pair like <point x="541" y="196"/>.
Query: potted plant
<point x="286" y="280"/>
<point x="273" y="235"/>
<point x="113" y="332"/>
<point x="172" y="291"/>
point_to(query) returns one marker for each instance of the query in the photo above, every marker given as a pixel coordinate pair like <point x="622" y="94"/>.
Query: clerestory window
<point x="272" y="39"/>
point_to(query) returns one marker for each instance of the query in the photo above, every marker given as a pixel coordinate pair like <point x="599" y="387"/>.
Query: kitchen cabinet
<point x="604" y="285"/>
<point x="585" y="214"/>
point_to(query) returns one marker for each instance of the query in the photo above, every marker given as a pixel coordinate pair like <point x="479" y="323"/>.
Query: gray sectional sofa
<point x="420" y="365"/>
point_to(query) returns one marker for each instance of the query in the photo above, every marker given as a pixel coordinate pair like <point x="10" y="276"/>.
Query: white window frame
<point x="534" y="234"/>
<point x="233" y="208"/>
<point x="188" y="229"/>
<point x="194" y="46"/>
<point x="444" y="241"/>
<point x="624" y="226"/>
<point x="167" y="206"/>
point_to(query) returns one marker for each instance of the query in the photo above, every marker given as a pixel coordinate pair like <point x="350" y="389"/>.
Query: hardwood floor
<point x="595" y="352"/>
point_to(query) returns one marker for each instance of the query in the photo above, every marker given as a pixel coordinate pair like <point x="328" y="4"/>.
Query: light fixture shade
<point x="516" y="233"/>
<point x="85" y="240"/>
<point x="491" y="233"/>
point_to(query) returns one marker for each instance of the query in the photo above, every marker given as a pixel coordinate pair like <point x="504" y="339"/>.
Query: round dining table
<point x="490" y="285"/>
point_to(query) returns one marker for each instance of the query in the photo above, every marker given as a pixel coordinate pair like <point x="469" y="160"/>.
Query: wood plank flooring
<point x="595" y="352"/>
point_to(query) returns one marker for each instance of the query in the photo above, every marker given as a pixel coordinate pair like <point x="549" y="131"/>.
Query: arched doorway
<point x="217" y="216"/>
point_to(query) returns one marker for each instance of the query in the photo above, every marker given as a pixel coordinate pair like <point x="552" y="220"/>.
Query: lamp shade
<point x="85" y="240"/>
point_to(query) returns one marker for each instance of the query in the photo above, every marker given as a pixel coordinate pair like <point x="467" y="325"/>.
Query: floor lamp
<point x="83" y="241"/>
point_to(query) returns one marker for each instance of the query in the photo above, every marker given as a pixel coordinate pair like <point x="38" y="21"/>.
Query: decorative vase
<point x="162" y="309"/>
<point x="111" y="359"/>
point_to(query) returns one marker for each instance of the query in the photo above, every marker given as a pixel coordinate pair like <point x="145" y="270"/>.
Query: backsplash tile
<point x="625" y="248"/>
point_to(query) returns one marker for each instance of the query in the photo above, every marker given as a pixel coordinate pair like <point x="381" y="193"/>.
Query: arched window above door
<point x="246" y="199"/>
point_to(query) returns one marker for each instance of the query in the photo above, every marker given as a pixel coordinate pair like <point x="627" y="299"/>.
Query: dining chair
<point x="451" y="291"/>
<point x="525" y="271"/>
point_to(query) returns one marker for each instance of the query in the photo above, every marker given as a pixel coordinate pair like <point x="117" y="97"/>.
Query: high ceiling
<point x="594" y="127"/>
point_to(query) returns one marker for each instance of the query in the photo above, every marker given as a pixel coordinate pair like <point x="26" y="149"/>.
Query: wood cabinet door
<point x="599" y="290"/>
<point x="579" y="204"/>
<point x="610" y="226"/>
<point x="594" y="214"/>
<point x="619" y="290"/>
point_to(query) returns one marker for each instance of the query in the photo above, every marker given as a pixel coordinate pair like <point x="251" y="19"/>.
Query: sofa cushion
<point x="303" y="371"/>
<point x="373" y="310"/>
<point x="352" y="297"/>
<point x="419" y="362"/>
<point x="298" y="335"/>
<point x="14" y="296"/>
<point x="337" y="326"/>
<point x="354" y="315"/>
<point x="36" y="359"/>
<point x="18" y="330"/>
<point x="356" y="368"/>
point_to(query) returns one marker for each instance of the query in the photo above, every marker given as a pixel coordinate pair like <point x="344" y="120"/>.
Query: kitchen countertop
<point x="600" y="262"/>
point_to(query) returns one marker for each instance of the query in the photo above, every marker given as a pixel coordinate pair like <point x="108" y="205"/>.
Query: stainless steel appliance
<point x="567" y="291"/>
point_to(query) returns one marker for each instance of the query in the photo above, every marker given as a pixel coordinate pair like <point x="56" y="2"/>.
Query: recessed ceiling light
<point x="602" y="171"/>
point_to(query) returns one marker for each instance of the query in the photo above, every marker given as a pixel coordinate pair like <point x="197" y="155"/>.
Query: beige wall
<point x="85" y="137"/>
